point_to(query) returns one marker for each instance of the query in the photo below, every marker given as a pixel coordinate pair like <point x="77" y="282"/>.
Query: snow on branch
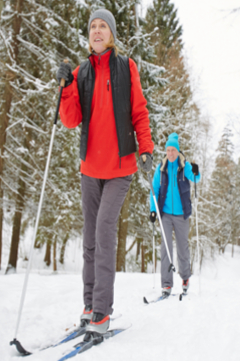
<point x="8" y="185"/>
<point x="33" y="49"/>
<point x="28" y="77"/>
<point x="19" y="158"/>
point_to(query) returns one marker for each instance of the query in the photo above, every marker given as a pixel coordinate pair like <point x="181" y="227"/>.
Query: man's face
<point x="172" y="154"/>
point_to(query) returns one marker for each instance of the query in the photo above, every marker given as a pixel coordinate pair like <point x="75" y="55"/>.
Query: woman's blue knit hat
<point x="172" y="141"/>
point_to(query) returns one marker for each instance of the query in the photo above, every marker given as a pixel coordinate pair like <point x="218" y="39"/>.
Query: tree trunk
<point x="143" y="257"/>
<point x="55" y="254"/>
<point x="122" y="234"/>
<point x="138" y="248"/>
<point x="4" y="120"/>
<point x="47" y="258"/>
<point x="232" y="247"/>
<point x="1" y="222"/>
<point x="7" y="78"/>
<point x="62" y="252"/>
<point x="1" y="7"/>
<point x="12" y="262"/>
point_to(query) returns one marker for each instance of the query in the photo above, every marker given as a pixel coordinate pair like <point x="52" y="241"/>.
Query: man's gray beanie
<point x="107" y="16"/>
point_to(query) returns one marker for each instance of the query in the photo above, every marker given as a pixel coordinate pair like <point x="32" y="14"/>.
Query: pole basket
<point x="19" y="347"/>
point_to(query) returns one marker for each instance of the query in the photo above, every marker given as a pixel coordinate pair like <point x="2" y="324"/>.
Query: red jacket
<point x="102" y="160"/>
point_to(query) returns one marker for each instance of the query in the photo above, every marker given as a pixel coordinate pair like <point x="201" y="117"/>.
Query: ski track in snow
<point x="202" y="327"/>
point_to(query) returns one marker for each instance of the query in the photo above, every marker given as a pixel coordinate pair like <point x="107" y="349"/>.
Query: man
<point x="172" y="189"/>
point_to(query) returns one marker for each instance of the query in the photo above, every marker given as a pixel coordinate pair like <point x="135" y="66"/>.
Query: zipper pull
<point x="99" y="59"/>
<point x="108" y="84"/>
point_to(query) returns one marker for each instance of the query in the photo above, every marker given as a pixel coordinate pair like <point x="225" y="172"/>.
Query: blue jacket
<point x="172" y="187"/>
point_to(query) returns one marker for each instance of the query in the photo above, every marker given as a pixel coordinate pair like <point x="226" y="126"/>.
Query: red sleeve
<point x="140" y="119"/>
<point x="70" y="107"/>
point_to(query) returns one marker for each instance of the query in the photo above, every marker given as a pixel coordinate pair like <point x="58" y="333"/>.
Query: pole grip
<point x="144" y="158"/>
<point x="62" y="82"/>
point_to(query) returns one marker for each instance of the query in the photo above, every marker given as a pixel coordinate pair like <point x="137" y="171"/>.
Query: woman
<point x="105" y="95"/>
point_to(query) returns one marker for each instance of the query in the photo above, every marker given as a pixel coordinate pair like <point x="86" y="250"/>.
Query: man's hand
<point x="152" y="216"/>
<point x="195" y="169"/>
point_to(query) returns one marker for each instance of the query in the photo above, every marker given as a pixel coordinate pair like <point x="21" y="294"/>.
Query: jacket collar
<point x="100" y="59"/>
<point x="181" y="162"/>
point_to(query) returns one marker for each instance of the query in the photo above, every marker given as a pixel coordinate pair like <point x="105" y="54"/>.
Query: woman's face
<point x="99" y="35"/>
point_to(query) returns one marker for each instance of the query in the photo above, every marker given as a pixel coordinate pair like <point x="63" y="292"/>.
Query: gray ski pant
<point x="181" y="229"/>
<point x="101" y="204"/>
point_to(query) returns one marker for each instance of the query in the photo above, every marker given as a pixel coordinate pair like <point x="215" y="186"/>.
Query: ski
<point x="79" y="331"/>
<point x="86" y="345"/>
<point x="181" y="295"/>
<point x="161" y="298"/>
<point x="71" y="336"/>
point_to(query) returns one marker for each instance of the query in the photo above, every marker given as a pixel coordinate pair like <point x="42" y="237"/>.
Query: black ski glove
<point x="195" y="168"/>
<point x="65" y="72"/>
<point x="147" y="164"/>
<point x="152" y="216"/>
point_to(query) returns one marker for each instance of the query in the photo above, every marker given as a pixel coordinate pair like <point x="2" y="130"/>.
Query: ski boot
<point x="185" y="286"/>
<point x="96" y="328"/>
<point x="86" y="316"/>
<point x="166" y="291"/>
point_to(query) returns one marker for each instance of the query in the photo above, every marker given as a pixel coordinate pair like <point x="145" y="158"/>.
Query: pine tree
<point x="201" y="138"/>
<point x="222" y="192"/>
<point x="167" y="40"/>
<point x="42" y="34"/>
<point x="175" y="110"/>
<point x="236" y="208"/>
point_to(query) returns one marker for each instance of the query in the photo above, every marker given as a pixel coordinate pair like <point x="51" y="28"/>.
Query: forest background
<point x="35" y="36"/>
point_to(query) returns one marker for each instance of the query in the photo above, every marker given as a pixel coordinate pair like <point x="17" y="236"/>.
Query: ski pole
<point x="171" y="266"/>
<point x="153" y="245"/>
<point x="15" y="342"/>
<point x="198" y="251"/>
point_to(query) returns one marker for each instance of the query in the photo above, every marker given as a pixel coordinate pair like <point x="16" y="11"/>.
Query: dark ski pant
<point x="101" y="204"/>
<point x="181" y="229"/>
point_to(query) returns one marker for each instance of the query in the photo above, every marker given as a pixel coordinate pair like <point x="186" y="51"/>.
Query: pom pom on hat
<point x="172" y="141"/>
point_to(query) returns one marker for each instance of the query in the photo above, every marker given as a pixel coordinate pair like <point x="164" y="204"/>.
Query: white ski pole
<point x="198" y="248"/>
<point x="15" y="342"/>
<point x="171" y="266"/>
<point x="153" y="246"/>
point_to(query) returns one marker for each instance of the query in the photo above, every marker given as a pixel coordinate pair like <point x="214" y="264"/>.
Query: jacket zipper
<point x="102" y="88"/>
<point x="90" y="103"/>
<point x="108" y="95"/>
<point x="119" y="145"/>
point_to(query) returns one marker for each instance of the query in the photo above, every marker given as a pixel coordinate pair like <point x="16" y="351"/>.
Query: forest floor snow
<point x="204" y="326"/>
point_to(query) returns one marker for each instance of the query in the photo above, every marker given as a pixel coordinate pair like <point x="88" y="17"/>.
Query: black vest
<point x="121" y="92"/>
<point x="183" y="187"/>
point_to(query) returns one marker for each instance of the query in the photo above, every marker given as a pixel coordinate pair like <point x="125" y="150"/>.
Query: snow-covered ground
<point x="203" y="327"/>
